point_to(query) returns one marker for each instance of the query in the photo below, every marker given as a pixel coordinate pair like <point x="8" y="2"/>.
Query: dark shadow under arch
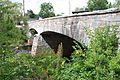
<point x="33" y="31"/>
<point x="54" y="39"/>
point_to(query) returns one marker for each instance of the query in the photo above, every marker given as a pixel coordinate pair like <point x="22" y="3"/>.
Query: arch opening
<point x="33" y="31"/>
<point x="54" y="39"/>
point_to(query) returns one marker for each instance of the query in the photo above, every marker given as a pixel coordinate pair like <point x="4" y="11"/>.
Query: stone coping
<point x="98" y="12"/>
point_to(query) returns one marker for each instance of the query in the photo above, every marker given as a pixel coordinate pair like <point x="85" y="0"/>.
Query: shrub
<point x="101" y="61"/>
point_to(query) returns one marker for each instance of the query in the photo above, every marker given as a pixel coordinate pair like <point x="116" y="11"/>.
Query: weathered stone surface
<point x="74" y="26"/>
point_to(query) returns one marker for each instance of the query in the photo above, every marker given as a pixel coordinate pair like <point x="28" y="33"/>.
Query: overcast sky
<point x="60" y="6"/>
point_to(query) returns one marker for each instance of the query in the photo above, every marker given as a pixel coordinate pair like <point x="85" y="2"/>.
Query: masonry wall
<point x="75" y="25"/>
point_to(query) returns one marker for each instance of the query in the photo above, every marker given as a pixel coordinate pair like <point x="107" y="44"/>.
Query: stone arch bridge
<point x="73" y="25"/>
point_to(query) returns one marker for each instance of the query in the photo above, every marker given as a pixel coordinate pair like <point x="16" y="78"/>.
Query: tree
<point x="47" y="10"/>
<point x="98" y="5"/>
<point x="117" y="4"/>
<point x="9" y="34"/>
<point x="31" y="14"/>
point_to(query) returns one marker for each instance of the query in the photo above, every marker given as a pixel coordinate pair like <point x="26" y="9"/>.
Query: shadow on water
<point x="23" y="49"/>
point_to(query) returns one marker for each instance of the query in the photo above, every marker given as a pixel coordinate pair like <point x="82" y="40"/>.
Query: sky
<point x="60" y="6"/>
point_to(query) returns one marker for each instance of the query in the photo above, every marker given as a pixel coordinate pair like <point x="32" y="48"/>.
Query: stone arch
<point x="33" y="31"/>
<point x="54" y="39"/>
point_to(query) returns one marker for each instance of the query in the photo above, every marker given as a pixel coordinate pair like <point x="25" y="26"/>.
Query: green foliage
<point x="46" y="10"/>
<point x="101" y="61"/>
<point x="117" y="4"/>
<point x="98" y="5"/>
<point x="31" y="14"/>
<point x="9" y="34"/>
<point x="8" y="8"/>
<point x="25" y="66"/>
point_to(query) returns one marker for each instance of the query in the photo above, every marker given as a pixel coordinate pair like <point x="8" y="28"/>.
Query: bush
<point x="101" y="61"/>
<point x="25" y="66"/>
